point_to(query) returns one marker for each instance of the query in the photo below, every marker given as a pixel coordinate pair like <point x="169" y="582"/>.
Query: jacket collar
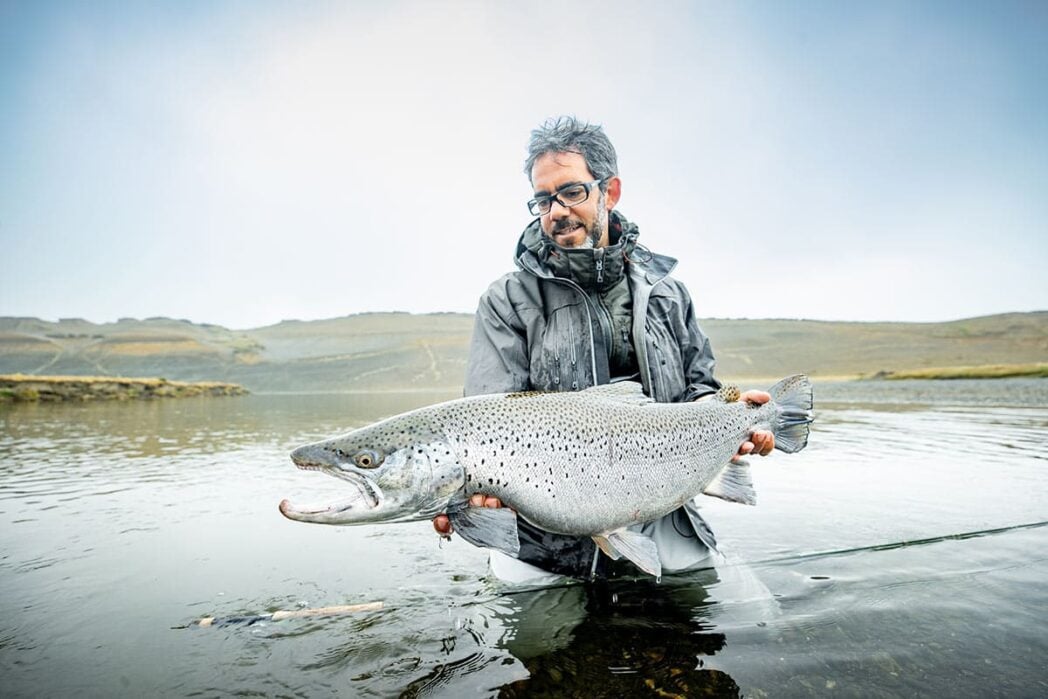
<point x="593" y="268"/>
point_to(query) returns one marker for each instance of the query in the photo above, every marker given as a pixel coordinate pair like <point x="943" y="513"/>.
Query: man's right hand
<point x="443" y="525"/>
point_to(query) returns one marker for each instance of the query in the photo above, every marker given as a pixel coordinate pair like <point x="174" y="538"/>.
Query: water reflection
<point x="617" y="638"/>
<point x="159" y="428"/>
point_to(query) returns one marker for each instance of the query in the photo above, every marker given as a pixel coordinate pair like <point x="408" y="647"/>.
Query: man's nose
<point x="558" y="210"/>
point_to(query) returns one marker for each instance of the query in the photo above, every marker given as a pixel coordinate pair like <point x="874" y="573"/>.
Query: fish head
<point x="398" y="473"/>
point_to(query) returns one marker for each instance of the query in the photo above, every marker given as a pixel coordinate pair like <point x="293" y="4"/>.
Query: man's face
<point x="583" y="225"/>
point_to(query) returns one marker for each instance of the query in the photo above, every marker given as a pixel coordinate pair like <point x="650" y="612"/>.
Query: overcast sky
<point x="245" y="162"/>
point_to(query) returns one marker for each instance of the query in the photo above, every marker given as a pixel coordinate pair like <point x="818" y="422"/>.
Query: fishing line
<point x="894" y="545"/>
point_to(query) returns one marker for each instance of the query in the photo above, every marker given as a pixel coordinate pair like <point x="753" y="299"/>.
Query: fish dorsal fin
<point x="625" y="391"/>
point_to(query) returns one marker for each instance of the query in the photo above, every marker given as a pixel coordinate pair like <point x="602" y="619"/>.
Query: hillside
<point x="379" y="351"/>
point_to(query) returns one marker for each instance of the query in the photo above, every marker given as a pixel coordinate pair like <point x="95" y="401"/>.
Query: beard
<point x="593" y="232"/>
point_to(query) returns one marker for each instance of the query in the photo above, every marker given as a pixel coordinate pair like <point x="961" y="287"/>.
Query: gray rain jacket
<point x="535" y="330"/>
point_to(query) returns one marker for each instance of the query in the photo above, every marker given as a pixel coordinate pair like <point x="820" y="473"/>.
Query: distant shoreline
<point x="381" y="352"/>
<point x="24" y="388"/>
<point x="987" y="371"/>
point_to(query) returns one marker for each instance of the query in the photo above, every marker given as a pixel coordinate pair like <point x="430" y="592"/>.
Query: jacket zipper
<point x="574" y="358"/>
<point x="556" y="360"/>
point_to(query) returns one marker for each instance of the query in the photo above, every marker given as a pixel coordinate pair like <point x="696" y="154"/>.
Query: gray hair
<point x="566" y="134"/>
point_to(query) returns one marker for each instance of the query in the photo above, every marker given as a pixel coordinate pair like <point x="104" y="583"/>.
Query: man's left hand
<point x="761" y="442"/>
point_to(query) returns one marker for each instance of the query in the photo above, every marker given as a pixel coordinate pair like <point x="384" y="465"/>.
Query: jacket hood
<point x="598" y="268"/>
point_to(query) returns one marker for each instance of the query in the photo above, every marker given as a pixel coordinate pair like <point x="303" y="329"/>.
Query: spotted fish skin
<point x="584" y="463"/>
<point x="593" y="465"/>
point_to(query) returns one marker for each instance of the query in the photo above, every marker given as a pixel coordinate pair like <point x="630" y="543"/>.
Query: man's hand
<point x="761" y="442"/>
<point x="443" y="525"/>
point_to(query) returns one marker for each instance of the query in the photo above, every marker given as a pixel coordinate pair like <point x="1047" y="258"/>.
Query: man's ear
<point x="611" y="198"/>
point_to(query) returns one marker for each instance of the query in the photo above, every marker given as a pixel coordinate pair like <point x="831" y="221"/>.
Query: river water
<point x="902" y="553"/>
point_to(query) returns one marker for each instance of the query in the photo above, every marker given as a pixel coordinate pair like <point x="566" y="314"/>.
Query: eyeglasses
<point x="571" y="195"/>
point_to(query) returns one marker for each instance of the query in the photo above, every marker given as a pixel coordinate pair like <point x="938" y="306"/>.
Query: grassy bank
<point x="25" y="388"/>
<point x="989" y="371"/>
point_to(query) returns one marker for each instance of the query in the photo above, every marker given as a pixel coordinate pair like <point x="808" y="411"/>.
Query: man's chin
<point x="572" y="239"/>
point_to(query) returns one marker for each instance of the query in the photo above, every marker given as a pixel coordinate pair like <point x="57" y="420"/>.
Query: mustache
<point x="566" y="224"/>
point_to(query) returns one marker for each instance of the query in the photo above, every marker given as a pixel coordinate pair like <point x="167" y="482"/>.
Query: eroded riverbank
<point x="27" y="389"/>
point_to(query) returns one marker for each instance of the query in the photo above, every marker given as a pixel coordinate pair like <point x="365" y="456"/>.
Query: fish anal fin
<point x="733" y="484"/>
<point x="633" y="546"/>
<point x="490" y="528"/>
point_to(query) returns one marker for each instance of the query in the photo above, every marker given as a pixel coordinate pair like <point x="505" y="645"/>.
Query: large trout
<point x="585" y="463"/>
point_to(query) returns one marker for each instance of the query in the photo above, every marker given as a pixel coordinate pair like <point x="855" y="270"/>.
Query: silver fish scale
<point x="582" y="463"/>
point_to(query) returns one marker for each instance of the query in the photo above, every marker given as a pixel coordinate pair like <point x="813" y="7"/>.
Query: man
<point x="589" y="306"/>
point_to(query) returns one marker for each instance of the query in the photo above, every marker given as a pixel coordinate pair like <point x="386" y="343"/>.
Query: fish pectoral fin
<point x="637" y="548"/>
<point x="490" y="528"/>
<point x="733" y="484"/>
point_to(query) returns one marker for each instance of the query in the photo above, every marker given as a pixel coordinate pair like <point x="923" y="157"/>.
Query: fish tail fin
<point x="793" y="395"/>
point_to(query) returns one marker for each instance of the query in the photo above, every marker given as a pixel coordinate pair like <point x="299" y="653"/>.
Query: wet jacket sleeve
<point x="498" y="352"/>
<point x="697" y="354"/>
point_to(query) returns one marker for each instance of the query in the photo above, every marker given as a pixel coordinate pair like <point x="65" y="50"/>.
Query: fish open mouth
<point x="367" y="498"/>
<point x="369" y="492"/>
<point x="321" y="513"/>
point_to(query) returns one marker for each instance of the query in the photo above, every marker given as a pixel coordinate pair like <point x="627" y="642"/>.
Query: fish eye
<point x="368" y="459"/>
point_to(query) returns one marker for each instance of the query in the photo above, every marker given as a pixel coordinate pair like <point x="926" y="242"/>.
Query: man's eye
<point x="572" y="193"/>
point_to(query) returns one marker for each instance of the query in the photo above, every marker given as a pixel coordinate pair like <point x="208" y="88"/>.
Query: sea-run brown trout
<point x="586" y="463"/>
